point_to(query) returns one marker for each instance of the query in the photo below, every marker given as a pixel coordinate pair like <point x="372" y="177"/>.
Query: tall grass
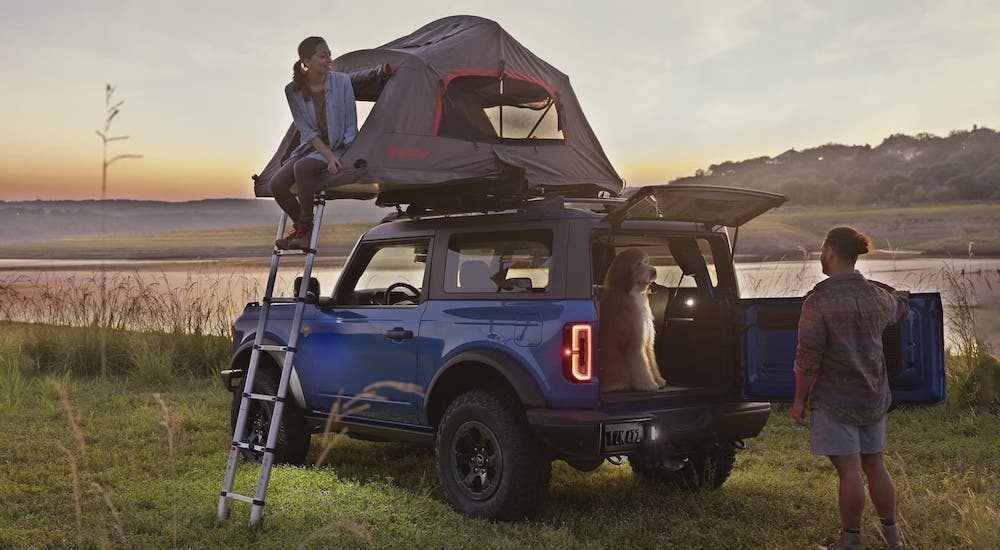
<point x="202" y="303"/>
<point x="149" y="358"/>
<point x="149" y="326"/>
<point x="973" y="371"/>
<point x="12" y="382"/>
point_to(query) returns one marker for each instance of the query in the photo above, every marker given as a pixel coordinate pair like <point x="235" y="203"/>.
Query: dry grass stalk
<point x="169" y="425"/>
<point x="352" y="406"/>
<point x="115" y="517"/>
<point x="979" y="518"/>
<point x="75" y="476"/>
<point x="166" y="422"/>
<point x="71" y="417"/>
<point x="342" y="524"/>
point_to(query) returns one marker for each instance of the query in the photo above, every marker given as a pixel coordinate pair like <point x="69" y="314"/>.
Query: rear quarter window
<point x="503" y="262"/>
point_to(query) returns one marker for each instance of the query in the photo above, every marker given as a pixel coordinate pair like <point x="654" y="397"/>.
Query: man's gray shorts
<point x="828" y="437"/>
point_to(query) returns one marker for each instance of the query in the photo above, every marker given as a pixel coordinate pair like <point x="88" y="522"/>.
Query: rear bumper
<point x="579" y="433"/>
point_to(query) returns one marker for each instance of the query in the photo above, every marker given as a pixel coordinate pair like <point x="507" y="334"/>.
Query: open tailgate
<point x="708" y="204"/>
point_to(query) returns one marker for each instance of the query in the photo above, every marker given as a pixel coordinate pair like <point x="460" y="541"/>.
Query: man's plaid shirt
<point x="840" y="342"/>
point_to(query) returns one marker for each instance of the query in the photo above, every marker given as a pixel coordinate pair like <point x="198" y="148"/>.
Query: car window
<point x="680" y="256"/>
<point x="395" y="263"/>
<point x="498" y="262"/>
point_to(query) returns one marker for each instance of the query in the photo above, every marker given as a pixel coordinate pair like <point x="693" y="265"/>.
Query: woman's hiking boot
<point x="283" y="243"/>
<point x="302" y="238"/>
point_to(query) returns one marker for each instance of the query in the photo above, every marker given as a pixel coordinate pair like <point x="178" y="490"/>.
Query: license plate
<point x="622" y="437"/>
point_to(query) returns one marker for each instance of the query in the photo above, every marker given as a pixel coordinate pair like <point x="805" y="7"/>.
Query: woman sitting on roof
<point x="322" y="105"/>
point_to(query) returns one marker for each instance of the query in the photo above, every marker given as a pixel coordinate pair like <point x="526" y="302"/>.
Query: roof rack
<point x="535" y="204"/>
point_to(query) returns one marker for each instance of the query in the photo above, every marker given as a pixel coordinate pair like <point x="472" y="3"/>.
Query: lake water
<point x="207" y="294"/>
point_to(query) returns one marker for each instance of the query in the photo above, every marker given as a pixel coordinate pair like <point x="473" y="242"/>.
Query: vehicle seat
<point x="474" y="276"/>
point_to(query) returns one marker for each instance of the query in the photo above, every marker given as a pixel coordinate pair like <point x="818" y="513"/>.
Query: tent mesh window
<point x="479" y="108"/>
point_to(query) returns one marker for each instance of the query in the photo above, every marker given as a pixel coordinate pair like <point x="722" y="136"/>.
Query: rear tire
<point x="704" y="471"/>
<point x="293" y="436"/>
<point x="489" y="463"/>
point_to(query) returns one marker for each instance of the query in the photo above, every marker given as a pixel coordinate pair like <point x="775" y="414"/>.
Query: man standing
<point x="840" y="376"/>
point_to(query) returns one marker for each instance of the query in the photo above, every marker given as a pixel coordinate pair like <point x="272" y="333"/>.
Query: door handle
<point x="399" y="333"/>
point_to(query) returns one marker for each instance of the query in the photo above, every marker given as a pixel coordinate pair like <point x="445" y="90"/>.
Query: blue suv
<point x="477" y="334"/>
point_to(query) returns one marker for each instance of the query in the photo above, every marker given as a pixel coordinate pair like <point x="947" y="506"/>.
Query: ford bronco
<point x="477" y="334"/>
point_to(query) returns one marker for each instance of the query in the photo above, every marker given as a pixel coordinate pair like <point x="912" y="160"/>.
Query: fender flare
<point x="511" y="369"/>
<point x="294" y="384"/>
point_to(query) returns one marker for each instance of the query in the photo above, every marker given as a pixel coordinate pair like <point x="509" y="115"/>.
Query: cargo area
<point x="695" y="341"/>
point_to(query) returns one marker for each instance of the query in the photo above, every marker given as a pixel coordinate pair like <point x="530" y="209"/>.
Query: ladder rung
<point x="258" y="448"/>
<point x="269" y="347"/>
<point x="243" y="498"/>
<point x="264" y="397"/>
<point x="293" y="251"/>
<point x="281" y="300"/>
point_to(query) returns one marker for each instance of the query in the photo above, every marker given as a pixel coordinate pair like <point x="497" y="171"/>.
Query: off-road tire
<point x="704" y="471"/>
<point x="485" y="426"/>
<point x="293" y="435"/>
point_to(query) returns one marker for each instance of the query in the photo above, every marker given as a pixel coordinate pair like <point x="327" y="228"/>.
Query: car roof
<point x="401" y="228"/>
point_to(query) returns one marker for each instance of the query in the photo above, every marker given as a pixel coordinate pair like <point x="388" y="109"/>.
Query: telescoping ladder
<point x="239" y="434"/>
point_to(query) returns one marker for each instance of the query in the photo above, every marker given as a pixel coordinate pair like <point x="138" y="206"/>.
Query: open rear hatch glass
<point x="711" y="205"/>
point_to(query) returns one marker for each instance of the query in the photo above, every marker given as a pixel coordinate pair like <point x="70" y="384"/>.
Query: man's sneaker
<point x="302" y="239"/>
<point x="847" y="541"/>
<point x="890" y="536"/>
<point x="283" y="243"/>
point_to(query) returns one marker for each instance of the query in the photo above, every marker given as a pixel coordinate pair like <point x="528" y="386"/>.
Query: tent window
<point x="474" y="108"/>
<point x="364" y="109"/>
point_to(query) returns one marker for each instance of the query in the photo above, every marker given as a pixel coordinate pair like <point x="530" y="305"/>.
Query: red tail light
<point x="578" y="354"/>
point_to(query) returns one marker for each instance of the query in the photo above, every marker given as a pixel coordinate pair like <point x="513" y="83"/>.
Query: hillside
<point x="902" y="170"/>
<point x="939" y="231"/>
<point x="28" y="221"/>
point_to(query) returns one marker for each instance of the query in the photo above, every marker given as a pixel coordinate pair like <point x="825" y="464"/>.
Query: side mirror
<point x="312" y="292"/>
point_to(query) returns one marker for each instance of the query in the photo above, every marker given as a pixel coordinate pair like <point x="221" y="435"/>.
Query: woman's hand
<point x="334" y="165"/>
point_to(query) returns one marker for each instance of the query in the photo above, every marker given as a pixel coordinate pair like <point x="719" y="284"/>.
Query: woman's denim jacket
<point x="341" y="117"/>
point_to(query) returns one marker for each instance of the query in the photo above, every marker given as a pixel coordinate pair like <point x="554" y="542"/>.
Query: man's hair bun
<point x="847" y="242"/>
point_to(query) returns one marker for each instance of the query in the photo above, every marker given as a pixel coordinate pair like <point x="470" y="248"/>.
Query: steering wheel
<point x="408" y="287"/>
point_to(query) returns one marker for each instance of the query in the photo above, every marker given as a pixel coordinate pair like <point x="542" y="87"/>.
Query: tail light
<point x="578" y="352"/>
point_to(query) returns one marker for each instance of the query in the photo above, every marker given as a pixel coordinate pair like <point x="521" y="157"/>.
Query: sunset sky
<point x="668" y="87"/>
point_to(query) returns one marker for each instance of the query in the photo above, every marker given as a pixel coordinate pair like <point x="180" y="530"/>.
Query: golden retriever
<point x="626" y="360"/>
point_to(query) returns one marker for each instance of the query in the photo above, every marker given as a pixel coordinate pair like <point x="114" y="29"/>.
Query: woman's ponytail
<point x="298" y="76"/>
<point x="306" y="50"/>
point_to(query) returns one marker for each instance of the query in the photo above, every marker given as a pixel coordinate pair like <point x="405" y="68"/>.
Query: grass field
<point x="238" y="242"/>
<point x="109" y="463"/>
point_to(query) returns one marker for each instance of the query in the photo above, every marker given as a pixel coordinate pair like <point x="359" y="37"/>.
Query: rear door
<point x="914" y="350"/>
<point x="708" y="204"/>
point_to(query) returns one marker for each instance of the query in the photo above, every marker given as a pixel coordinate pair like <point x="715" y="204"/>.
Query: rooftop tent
<point x="466" y="111"/>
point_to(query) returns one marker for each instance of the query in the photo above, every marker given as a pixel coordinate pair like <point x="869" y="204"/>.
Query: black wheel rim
<point x="477" y="460"/>
<point x="258" y="423"/>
